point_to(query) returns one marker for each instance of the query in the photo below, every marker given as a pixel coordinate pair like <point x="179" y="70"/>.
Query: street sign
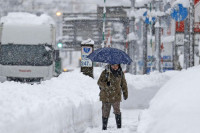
<point x="85" y="62"/>
<point x="87" y="47"/>
<point x="179" y="13"/>
<point x="147" y="21"/>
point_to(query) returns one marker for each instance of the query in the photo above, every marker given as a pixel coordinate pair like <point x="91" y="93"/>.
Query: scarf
<point x="116" y="72"/>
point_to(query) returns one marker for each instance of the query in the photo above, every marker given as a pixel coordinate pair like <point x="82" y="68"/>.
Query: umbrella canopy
<point x="110" y="55"/>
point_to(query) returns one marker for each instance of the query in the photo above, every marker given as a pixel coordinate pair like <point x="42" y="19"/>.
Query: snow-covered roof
<point x="88" y="41"/>
<point x="79" y="18"/>
<point x="136" y="13"/>
<point x="26" y="18"/>
<point x="27" y="34"/>
<point x="26" y="28"/>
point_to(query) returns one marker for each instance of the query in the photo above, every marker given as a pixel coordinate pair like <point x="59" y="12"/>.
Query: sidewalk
<point x="129" y="123"/>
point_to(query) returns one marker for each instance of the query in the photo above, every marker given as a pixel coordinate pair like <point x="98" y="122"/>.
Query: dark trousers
<point x="107" y="106"/>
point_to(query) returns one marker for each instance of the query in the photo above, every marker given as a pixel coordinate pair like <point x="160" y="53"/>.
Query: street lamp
<point x="58" y="13"/>
<point x="59" y="23"/>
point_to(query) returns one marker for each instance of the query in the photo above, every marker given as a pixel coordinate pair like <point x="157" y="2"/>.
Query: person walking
<point x="112" y="83"/>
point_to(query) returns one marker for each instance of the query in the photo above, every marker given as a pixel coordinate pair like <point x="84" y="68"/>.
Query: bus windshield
<point x="26" y="55"/>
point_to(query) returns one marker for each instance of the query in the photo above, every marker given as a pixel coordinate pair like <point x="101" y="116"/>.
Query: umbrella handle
<point x="108" y="73"/>
<point x="109" y="77"/>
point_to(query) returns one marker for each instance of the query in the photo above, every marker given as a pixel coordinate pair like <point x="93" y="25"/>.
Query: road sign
<point x="85" y="62"/>
<point x="87" y="47"/>
<point x="179" y="13"/>
<point x="147" y="21"/>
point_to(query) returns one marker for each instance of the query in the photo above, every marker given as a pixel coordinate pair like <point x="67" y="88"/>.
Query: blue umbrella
<point x="110" y="55"/>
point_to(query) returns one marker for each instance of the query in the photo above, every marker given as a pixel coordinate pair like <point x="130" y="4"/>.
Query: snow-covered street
<point x="97" y="66"/>
<point x="129" y="123"/>
<point x="70" y="103"/>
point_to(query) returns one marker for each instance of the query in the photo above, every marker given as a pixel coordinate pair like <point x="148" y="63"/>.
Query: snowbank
<point x="67" y="104"/>
<point x="175" y="108"/>
<point x="142" y="88"/>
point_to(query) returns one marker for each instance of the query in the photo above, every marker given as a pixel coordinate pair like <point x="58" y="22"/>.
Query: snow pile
<point x="69" y="103"/>
<point x="142" y="88"/>
<point x="26" y="18"/>
<point x="65" y="104"/>
<point x="175" y="108"/>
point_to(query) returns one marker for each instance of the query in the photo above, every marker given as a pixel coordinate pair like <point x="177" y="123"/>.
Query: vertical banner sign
<point x="85" y="51"/>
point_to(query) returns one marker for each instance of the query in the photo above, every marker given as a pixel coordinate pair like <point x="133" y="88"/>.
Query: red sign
<point x="180" y="25"/>
<point x="197" y="27"/>
<point x="196" y="1"/>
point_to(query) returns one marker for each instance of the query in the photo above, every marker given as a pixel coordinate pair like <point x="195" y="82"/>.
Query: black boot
<point x="118" y="120"/>
<point x="104" y="123"/>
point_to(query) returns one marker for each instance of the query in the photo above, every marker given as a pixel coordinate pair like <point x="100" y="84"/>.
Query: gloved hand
<point x="108" y="83"/>
<point x="125" y="95"/>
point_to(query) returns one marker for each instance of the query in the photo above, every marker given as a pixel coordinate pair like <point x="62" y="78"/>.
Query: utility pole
<point x="189" y="37"/>
<point x="104" y="24"/>
<point x="145" y="26"/>
<point x="151" y="40"/>
<point x="191" y="32"/>
<point x="158" y="36"/>
<point x="186" y="43"/>
<point x="175" y="50"/>
<point x="132" y="44"/>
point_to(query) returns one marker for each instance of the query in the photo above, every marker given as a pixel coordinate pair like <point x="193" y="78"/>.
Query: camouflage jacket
<point x="112" y="93"/>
